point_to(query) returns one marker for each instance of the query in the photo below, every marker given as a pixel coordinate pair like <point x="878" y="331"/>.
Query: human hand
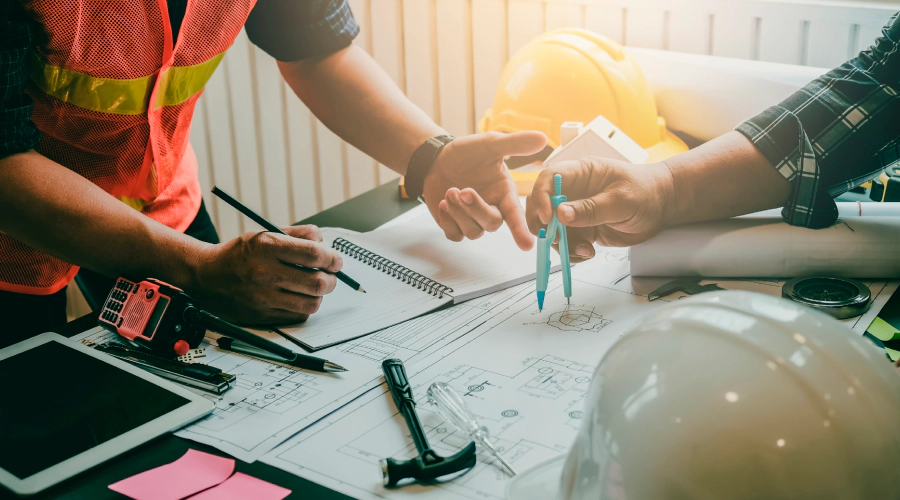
<point x="253" y="279"/>
<point x="469" y="189"/>
<point x="611" y="202"/>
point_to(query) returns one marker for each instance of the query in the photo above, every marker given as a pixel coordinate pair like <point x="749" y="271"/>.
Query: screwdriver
<point x="452" y="407"/>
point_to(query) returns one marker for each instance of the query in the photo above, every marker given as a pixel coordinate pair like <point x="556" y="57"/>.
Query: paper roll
<point x="849" y="209"/>
<point x="767" y="247"/>
<point x="707" y="96"/>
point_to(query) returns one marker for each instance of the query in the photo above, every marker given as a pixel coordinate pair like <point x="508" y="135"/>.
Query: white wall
<point x="255" y="139"/>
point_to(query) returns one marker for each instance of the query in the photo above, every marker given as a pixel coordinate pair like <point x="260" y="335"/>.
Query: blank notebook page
<point x="346" y="314"/>
<point x="472" y="268"/>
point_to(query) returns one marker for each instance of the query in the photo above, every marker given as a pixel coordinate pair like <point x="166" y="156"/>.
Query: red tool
<point x="151" y="313"/>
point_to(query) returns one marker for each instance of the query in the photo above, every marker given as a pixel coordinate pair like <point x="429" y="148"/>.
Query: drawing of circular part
<point x="577" y="319"/>
<point x="545" y="371"/>
<point x="509" y="413"/>
<point x="476" y="388"/>
<point x="575" y="414"/>
<point x="583" y="380"/>
<point x="440" y="430"/>
<point x="270" y="396"/>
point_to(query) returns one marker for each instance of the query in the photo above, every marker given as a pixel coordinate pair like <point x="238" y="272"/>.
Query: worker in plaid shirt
<point x="837" y="132"/>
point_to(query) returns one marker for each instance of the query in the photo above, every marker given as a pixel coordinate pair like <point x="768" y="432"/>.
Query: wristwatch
<point x="420" y="164"/>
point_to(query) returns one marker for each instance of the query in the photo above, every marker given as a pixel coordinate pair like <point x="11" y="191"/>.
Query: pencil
<point x="244" y="209"/>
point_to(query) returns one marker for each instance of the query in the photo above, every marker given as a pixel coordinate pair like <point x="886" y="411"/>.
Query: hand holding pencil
<point x="268" y="226"/>
<point x="265" y="278"/>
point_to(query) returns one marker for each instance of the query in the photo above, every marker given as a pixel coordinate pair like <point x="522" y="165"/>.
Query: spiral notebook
<point x="408" y="271"/>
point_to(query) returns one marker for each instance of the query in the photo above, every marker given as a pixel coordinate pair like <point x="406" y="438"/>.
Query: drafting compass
<point x="841" y="298"/>
<point x="545" y="241"/>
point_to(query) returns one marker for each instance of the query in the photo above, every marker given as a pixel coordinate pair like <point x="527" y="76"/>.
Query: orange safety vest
<point x="113" y="101"/>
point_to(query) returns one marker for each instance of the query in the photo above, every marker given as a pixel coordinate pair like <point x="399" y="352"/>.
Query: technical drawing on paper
<point x="373" y="351"/>
<point x="611" y="254"/>
<point x="559" y="383"/>
<point x="259" y="387"/>
<point x="272" y="402"/>
<point x="576" y="319"/>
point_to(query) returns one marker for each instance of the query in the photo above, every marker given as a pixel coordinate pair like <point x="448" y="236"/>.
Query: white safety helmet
<point x="732" y="395"/>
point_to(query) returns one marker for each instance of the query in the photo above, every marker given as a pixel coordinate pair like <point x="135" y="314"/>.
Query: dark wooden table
<point x="362" y="213"/>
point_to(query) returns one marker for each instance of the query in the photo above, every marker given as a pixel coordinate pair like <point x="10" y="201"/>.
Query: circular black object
<point x="839" y="297"/>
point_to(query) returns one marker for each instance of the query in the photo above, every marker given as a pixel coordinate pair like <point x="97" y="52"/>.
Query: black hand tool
<point x="690" y="286"/>
<point x="428" y="465"/>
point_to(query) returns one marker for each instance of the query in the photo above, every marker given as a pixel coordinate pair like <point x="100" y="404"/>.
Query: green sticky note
<point x="882" y="330"/>
<point x="892" y="354"/>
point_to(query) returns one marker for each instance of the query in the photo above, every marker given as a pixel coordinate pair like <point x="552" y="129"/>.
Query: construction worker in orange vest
<point x="96" y="170"/>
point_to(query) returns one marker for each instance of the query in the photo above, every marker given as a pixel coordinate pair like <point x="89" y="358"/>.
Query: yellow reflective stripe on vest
<point x="106" y="95"/>
<point x="179" y="83"/>
<point x="122" y="97"/>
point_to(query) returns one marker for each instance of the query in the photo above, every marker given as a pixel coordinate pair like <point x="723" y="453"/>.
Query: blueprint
<point x="523" y="372"/>
<point x="271" y="402"/>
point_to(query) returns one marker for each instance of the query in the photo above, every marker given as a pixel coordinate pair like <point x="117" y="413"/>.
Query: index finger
<point x="523" y="143"/>
<point x="306" y="253"/>
<point x="576" y="182"/>
<point x="305" y="232"/>
<point x="515" y="219"/>
<point x="539" y="199"/>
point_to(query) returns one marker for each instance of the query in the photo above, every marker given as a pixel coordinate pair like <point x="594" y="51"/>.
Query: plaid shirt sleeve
<point x="837" y="132"/>
<point x="293" y="30"/>
<point x="17" y="132"/>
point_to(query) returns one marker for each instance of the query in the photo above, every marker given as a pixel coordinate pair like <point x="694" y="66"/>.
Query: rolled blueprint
<point x="767" y="247"/>
<point x="849" y="209"/>
<point x="707" y="96"/>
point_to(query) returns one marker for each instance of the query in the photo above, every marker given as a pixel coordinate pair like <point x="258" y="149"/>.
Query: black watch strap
<point x="420" y="164"/>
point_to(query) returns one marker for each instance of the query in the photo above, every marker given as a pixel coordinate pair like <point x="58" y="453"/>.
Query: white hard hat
<point x="732" y="395"/>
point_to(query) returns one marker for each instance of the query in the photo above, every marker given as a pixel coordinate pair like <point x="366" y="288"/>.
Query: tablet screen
<point x="58" y="402"/>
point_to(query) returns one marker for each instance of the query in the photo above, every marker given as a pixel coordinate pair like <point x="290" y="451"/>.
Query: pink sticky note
<point x="194" y="471"/>
<point x="243" y="487"/>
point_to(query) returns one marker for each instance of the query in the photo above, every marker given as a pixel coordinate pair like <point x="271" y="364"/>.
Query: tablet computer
<point x="65" y="408"/>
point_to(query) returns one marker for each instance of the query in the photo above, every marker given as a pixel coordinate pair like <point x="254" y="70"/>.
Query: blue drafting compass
<point x="545" y="240"/>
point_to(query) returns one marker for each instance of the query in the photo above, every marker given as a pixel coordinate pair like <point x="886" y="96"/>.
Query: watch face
<point x="826" y="290"/>
<point x="839" y="297"/>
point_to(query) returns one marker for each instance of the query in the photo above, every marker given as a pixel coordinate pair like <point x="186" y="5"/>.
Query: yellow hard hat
<point x="574" y="75"/>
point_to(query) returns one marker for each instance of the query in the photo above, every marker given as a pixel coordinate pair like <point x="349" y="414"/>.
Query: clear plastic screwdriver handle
<point x="452" y="407"/>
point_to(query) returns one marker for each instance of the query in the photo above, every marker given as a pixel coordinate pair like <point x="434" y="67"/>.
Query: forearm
<point x="358" y="101"/>
<point x="56" y="211"/>
<point x="723" y="178"/>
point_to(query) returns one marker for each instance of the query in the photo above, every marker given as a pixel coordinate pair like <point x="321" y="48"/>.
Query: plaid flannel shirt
<point x="837" y="132"/>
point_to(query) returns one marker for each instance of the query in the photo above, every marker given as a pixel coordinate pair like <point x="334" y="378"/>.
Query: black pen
<point x="300" y="361"/>
<point x="268" y="226"/>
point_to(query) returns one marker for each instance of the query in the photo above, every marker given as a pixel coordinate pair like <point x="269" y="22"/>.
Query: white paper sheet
<point x="855" y="247"/>
<point x="347" y="314"/>
<point x="470" y="267"/>
<point x="525" y="374"/>
<point x="271" y="402"/>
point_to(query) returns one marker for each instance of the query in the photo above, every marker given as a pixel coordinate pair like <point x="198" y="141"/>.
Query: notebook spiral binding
<point x="387" y="266"/>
